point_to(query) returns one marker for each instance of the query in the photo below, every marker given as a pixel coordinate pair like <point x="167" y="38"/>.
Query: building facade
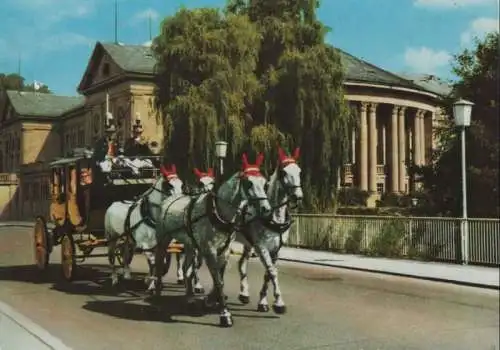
<point x="397" y="116"/>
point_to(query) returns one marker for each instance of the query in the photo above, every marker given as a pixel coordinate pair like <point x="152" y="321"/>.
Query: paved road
<point x="328" y="309"/>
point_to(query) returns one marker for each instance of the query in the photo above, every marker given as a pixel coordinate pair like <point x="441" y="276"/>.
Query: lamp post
<point x="461" y="114"/>
<point x="220" y="154"/>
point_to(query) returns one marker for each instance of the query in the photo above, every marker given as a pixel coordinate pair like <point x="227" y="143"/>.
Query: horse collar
<point x="213" y="215"/>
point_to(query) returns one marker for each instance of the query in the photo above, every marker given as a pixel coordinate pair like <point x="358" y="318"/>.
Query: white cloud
<point x="478" y="28"/>
<point x="452" y="3"/>
<point x="426" y="60"/>
<point x="145" y="15"/>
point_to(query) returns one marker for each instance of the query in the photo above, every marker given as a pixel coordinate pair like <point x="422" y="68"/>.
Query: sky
<point x="55" y="38"/>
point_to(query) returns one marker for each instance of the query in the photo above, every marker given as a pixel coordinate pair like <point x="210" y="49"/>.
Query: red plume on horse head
<point x="199" y="174"/>
<point x="168" y="172"/>
<point x="284" y="159"/>
<point x="252" y="169"/>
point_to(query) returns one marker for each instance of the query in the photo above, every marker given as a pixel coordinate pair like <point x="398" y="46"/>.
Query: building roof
<point x="430" y="83"/>
<point x="358" y="70"/>
<point x="132" y="58"/>
<point x="139" y="59"/>
<point x="42" y="104"/>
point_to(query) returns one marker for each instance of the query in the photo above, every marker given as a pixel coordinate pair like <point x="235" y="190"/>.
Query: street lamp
<point x="462" y="110"/>
<point x="220" y="153"/>
<point x="414" y="201"/>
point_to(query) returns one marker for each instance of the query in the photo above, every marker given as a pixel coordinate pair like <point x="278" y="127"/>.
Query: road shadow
<point x="92" y="280"/>
<point x="129" y="300"/>
<point x="164" y="308"/>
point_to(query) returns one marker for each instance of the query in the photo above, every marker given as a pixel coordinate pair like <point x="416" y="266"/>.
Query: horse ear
<point x="210" y="172"/>
<point x="281" y="154"/>
<point x="244" y="160"/>
<point x="260" y="159"/>
<point x="197" y="172"/>
<point x="296" y="153"/>
<point x="173" y="169"/>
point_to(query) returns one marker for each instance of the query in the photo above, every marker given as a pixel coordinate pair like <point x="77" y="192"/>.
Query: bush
<point x="388" y="242"/>
<point x="352" y="196"/>
<point x="354" y="239"/>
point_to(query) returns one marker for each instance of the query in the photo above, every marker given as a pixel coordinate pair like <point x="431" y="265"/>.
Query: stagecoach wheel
<point x="41" y="239"/>
<point x="68" y="262"/>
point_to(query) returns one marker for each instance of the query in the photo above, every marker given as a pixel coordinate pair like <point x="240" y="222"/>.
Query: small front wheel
<point x="68" y="261"/>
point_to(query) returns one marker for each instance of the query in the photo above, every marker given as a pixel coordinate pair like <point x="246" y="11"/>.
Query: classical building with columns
<point x="397" y="116"/>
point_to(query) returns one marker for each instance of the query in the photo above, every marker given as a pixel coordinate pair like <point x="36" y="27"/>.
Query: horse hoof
<point x="262" y="308"/>
<point x="226" y="321"/>
<point x="180" y="281"/>
<point x="244" y="299"/>
<point x="279" y="309"/>
<point x="199" y="290"/>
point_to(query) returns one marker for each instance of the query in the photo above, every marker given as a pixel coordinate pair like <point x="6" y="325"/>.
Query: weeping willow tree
<point x="301" y="99"/>
<point x="258" y="75"/>
<point x="205" y="83"/>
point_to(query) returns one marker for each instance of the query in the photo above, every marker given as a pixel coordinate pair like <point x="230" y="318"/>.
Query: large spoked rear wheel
<point x="68" y="261"/>
<point x="42" y="244"/>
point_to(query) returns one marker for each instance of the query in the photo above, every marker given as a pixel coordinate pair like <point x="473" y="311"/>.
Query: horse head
<point x="171" y="184"/>
<point x="289" y="173"/>
<point x="254" y="184"/>
<point x="206" y="181"/>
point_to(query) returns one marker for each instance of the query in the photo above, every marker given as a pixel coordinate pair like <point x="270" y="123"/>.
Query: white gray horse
<point x="268" y="237"/>
<point x="134" y="222"/>
<point x="206" y="223"/>
<point x="206" y="183"/>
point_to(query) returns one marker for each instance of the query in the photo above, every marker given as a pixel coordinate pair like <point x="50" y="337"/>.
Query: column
<point x="373" y="147"/>
<point x="416" y="138"/>
<point x="384" y="144"/>
<point x="394" y="172"/>
<point x="353" y="147"/>
<point x="402" y="149"/>
<point x="363" y="143"/>
<point x="422" y="138"/>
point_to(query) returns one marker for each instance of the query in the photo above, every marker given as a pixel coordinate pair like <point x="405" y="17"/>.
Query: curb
<point x="398" y="274"/>
<point x="16" y="225"/>
<point x="32" y="328"/>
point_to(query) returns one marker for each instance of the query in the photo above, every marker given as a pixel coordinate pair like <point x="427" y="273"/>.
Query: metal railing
<point x="419" y="238"/>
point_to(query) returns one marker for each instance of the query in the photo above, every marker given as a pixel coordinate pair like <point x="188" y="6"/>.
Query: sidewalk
<point x="469" y="275"/>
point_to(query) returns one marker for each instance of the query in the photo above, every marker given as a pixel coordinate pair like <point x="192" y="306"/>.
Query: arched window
<point x="96" y="124"/>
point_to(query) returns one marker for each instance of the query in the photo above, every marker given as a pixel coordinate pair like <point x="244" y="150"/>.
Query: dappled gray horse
<point x="134" y="222"/>
<point x="267" y="236"/>
<point x="207" y="222"/>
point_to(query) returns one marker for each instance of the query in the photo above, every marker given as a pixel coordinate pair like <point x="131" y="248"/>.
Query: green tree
<point x="477" y="70"/>
<point x="14" y="81"/>
<point x="258" y="75"/>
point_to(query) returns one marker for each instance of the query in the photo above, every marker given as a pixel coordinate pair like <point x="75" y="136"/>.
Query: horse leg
<point x="266" y="260"/>
<point x="225" y="317"/>
<point x="159" y="266"/>
<point x="112" y="258"/>
<point x="244" y="296"/>
<point x="128" y="248"/>
<point x="149" y="280"/>
<point x="196" y="265"/>
<point x="180" y="273"/>
<point x="279" y="306"/>
<point x="188" y="273"/>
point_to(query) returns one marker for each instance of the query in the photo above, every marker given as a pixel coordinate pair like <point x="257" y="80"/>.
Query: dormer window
<point x="105" y="69"/>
